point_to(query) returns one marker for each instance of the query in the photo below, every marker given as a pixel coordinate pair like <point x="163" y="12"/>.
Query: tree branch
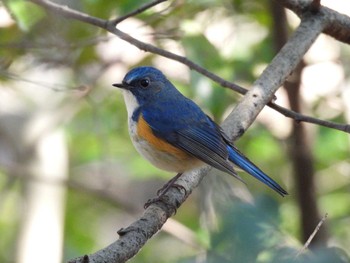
<point x="338" y="25"/>
<point x="274" y="75"/>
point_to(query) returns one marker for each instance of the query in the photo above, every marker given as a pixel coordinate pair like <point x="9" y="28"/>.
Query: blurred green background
<point x="70" y="177"/>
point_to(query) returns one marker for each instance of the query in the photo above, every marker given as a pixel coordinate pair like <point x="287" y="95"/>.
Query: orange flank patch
<point x="145" y="132"/>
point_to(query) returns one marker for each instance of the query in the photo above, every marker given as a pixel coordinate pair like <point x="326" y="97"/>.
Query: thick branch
<point x="338" y="25"/>
<point x="274" y="75"/>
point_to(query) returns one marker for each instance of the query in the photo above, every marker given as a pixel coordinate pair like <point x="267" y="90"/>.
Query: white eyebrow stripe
<point x="130" y="79"/>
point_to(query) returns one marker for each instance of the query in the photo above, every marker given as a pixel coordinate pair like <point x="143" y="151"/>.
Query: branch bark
<point x="338" y="25"/>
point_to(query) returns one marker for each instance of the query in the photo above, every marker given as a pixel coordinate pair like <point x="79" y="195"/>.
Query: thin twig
<point x="137" y="11"/>
<point x="308" y="242"/>
<point x="298" y="117"/>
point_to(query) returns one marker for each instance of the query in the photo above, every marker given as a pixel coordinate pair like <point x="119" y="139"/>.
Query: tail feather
<point x="244" y="163"/>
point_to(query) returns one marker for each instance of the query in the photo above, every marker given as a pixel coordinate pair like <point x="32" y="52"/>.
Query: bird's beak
<point x="120" y="85"/>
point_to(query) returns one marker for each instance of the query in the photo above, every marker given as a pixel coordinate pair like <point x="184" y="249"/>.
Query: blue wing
<point x="186" y="127"/>
<point x="205" y="144"/>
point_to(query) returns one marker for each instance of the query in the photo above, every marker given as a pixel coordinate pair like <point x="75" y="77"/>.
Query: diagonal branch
<point x="274" y="75"/>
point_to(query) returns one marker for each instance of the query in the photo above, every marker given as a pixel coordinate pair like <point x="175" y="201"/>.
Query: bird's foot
<point x="162" y="191"/>
<point x="169" y="184"/>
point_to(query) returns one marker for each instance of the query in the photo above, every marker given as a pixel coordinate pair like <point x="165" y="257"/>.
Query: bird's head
<point x="146" y="84"/>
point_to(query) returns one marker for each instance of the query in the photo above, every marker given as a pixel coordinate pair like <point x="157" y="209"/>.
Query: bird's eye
<point x="144" y="83"/>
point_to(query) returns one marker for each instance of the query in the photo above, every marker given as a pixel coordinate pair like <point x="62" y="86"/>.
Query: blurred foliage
<point x="252" y="235"/>
<point x="98" y="144"/>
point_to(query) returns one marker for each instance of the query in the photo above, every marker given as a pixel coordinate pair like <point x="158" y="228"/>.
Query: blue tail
<point x="243" y="162"/>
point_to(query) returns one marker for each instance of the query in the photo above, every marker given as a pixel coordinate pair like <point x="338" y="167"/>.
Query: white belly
<point x="162" y="160"/>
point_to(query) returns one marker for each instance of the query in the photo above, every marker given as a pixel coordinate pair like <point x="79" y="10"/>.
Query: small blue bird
<point x="173" y="133"/>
